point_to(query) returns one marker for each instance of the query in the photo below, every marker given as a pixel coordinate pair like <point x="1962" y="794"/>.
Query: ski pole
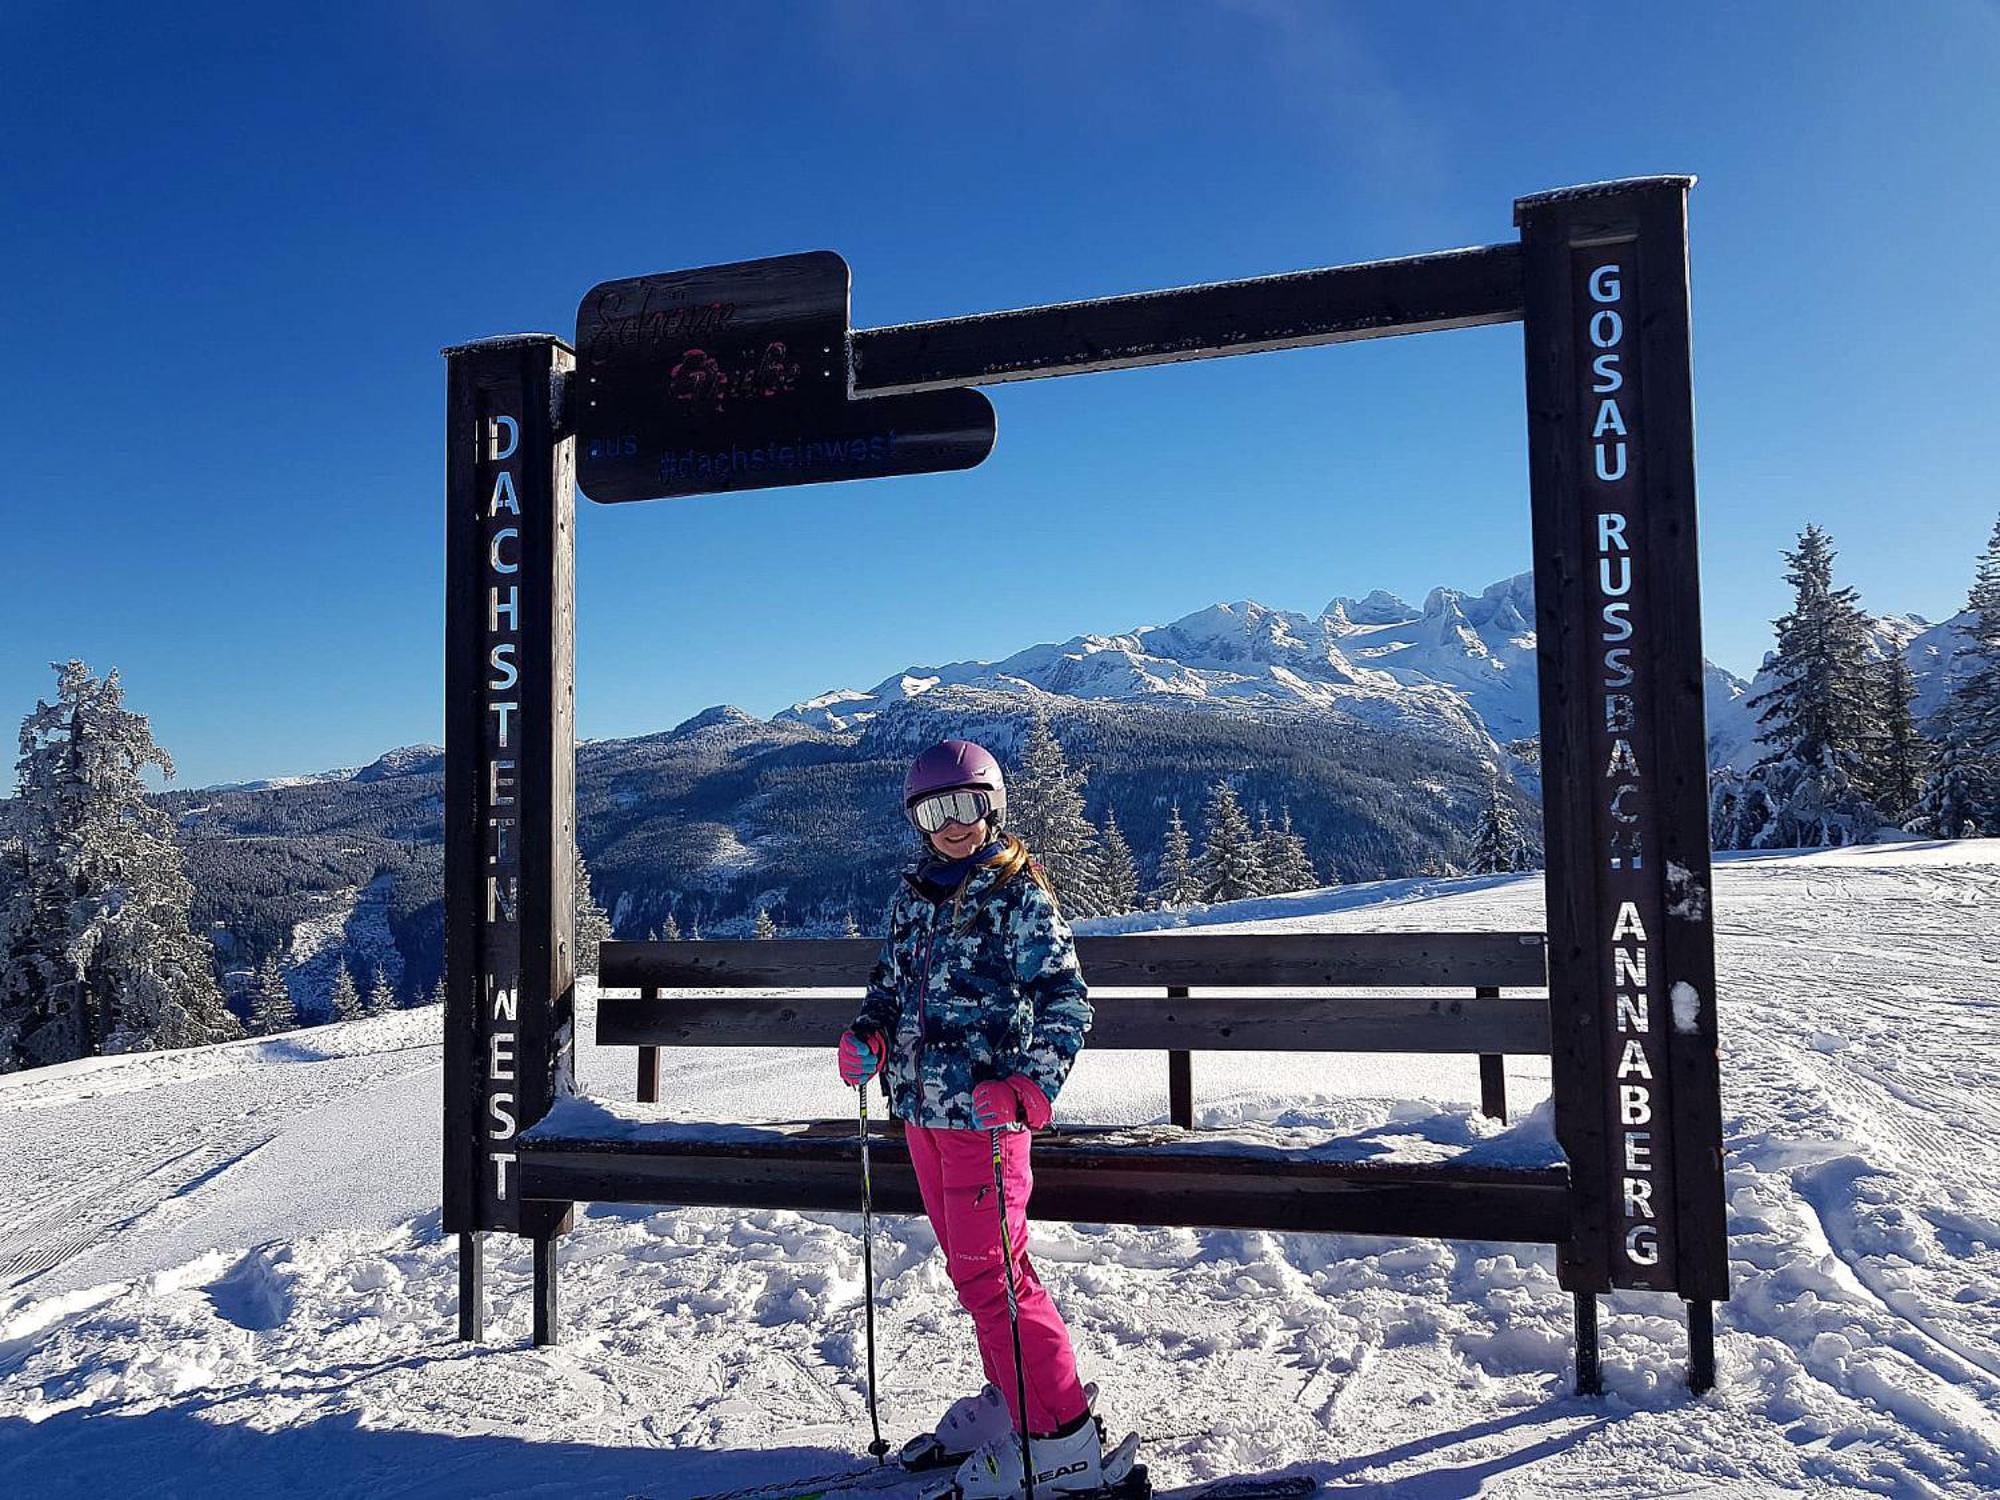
<point x="879" y="1447"/>
<point x="1013" y="1318"/>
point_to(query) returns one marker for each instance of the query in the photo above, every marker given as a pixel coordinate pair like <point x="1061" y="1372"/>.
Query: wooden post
<point x="1701" y="1346"/>
<point x="1624" y="751"/>
<point x="649" y="1075"/>
<point x="1589" y="1379"/>
<point x="1180" y="1077"/>
<point x="546" y="1329"/>
<point x="471" y="1286"/>
<point x="510" y="771"/>
<point x="649" y="1063"/>
<point x="1492" y="1071"/>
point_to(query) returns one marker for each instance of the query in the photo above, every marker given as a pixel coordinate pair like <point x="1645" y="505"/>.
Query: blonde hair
<point x="1011" y="859"/>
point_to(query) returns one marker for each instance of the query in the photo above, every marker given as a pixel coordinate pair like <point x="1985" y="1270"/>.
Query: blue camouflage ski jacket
<point x="979" y="989"/>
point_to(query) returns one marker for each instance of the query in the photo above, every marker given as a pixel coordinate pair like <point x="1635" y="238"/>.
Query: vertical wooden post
<point x="1624" y="740"/>
<point x="1492" y="1071"/>
<point x="1589" y="1378"/>
<point x="649" y="1063"/>
<point x="471" y="1286"/>
<point x="1180" y="1077"/>
<point x="1701" y="1346"/>
<point x="510" y="771"/>
<point x="546" y="1330"/>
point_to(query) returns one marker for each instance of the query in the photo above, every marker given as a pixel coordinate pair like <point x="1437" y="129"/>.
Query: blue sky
<point x="234" y="247"/>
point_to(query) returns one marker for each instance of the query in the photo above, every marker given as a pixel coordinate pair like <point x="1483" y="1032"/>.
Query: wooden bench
<point x="803" y="993"/>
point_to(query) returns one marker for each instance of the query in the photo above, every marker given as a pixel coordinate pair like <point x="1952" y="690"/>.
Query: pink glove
<point x="860" y="1058"/>
<point x="1017" y="1100"/>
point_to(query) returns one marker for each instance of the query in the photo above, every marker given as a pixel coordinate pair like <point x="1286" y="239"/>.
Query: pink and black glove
<point x="860" y="1058"/>
<point x="1014" y="1101"/>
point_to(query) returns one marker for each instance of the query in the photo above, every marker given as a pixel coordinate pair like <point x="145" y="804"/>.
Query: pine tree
<point x="672" y="931"/>
<point x="1263" y="840"/>
<point x="379" y="999"/>
<point x="1121" y="875"/>
<point x="1498" y="847"/>
<point x="345" y="1001"/>
<point x="1045" y="808"/>
<point x="438" y="992"/>
<point x="1961" y="793"/>
<point x="272" y="1011"/>
<point x="1178" y="885"/>
<point x="765" y="927"/>
<point x="851" y="928"/>
<point x="593" y="927"/>
<point x="1819" y="719"/>
<point x="96" y="950"/>
<point x="1281" y="855"/>
<point x="1228" y="869"/>
<point x="1978" y="691"/>
<point x="1898" y="772"/>
<point x="1288" y="865"/>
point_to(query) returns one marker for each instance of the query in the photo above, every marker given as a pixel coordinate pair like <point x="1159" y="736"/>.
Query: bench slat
<point x="1345" y="1023"/>
<point x="1076" y="1181"/>
<point x="1201" y="960"/>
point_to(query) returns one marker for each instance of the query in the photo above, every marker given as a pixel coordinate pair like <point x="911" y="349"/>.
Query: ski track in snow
<point x="221" y="1270"/>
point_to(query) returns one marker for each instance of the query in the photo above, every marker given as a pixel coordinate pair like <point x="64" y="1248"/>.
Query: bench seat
<point x="1511" y="1188"/>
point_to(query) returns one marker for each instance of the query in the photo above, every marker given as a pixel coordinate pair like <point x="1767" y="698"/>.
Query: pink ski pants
<point x="955" y="1176"/>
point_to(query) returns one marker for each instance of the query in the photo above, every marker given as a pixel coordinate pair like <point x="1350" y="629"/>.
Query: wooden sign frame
<point x="1598" y="281"/>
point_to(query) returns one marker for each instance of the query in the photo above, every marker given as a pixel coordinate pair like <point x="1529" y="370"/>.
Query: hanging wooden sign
<point x="736" y="377"/>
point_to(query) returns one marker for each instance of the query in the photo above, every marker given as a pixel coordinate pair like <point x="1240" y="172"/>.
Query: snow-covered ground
<point x="221" y="1271"/>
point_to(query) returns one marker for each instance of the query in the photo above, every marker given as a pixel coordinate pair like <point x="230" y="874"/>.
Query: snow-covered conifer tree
<point x="1499" y="846"/>
<point x="345" y="1001"/>
<point x="850" y="928"/>
<point x="672" y="931"/>
<point x="96" y="951"/>
<point x="1978" y="691"/>
<point x="272" y="1010"/>
<point x="1281" y="854"/>
<point x="593" y="927"/>
<point x="1045" y="807"/>
<point x="1294" y="862"/>
<point x="765" y="927"/>
<point x="378" y="999"/>
<point x="1121" y="875"/>
<point x="1229" y="868"/>
<point x="437" y="992"/>
<point x="1900" y="751"/>
<point x="1819" y="720"/>
<point x="1961" y="794"/>
<point x="1178" y="886"/>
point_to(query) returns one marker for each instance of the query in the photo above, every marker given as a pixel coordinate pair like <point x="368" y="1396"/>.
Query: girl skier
<point x="976" y="1009"/>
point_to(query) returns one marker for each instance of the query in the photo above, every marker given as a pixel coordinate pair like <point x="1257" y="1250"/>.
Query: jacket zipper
<point x="923" y="996"/>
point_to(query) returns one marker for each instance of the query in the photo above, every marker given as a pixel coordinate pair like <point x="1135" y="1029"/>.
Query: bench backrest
<point x="770" y="986"/>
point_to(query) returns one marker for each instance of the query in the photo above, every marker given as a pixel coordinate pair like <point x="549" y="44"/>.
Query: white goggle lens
<point x="933" y="813"/>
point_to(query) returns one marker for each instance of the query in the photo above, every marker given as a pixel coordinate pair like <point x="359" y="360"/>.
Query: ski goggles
<point x="933" y="812"/>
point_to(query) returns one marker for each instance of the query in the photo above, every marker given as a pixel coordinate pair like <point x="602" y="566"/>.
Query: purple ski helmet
<point x="954" y="765"/>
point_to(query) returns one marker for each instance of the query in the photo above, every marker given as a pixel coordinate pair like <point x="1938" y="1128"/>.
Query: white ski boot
<point x="970" y="1424"/>
<point x="1074" y="1465"/>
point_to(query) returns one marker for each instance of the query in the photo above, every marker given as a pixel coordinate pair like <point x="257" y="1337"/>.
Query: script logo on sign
<point x="736" y="378"/>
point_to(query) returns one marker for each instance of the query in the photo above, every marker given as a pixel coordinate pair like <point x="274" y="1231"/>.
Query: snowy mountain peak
<point x="721" y="715"/>
<point x="1380" y="608"/>
<point x="1461" y="669"/>
<point x="405" y="760"/>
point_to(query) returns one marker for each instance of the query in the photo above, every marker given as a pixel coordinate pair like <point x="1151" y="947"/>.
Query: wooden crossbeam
<point x="1201" y="1023"/>
<point x="1198" y="960"/>
<point x="1337" y="304"/>
<point x="1077" y="1179"/>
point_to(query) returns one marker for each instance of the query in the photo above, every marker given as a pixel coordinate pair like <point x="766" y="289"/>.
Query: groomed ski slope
<point x="221" y="1271"/>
